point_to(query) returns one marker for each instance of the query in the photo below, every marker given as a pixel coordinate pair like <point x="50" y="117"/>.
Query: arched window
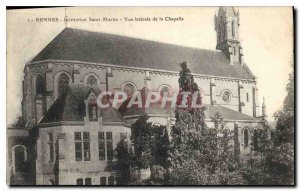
<point x="103" y="180"/>
<point x="40" y="85"/>
<point x="129" y="89"/>
<point x="233" y="29"/>
<point x="91" y="80"/>
<point x="246" y="137"/>
<point x="255" y="140"/>
<point x="165" y="90"/>
<point x="93" y="112"/>
<point x="88" y="181"/>
<point x="20" y="157"/>
<point x="63" y="82"/>
<point x="79" y="181"/>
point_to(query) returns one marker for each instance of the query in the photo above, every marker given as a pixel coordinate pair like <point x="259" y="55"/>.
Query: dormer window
<point x="93" y="113"/>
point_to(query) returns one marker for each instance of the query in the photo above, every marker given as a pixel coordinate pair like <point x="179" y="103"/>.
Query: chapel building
<point x="73" y="141"/>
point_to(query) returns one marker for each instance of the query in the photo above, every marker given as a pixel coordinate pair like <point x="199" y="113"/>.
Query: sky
<point x="266" y="35"/>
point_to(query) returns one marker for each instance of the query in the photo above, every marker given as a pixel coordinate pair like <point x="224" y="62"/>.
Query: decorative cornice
<point x="152" y="71"/>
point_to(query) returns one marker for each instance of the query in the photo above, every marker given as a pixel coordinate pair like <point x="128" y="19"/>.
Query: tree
<point x="285" y="120"/>
<point x="277" y="166"/>
<point x="141" y="134"/>
<point x="125" y="158"/>
<point x="281" y="159"/>
<point x="260" y="141"/>
<point x="20" y="122"/>
<point x="199" y="155"/>
<point x="204" y="157"/>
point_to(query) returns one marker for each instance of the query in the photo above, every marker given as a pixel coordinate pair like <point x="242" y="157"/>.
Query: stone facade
<point x="64" y="168"/>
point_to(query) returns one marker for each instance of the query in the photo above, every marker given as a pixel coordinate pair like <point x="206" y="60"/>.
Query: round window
<point x="129" y="89"/>
<point x="226" y="96"/>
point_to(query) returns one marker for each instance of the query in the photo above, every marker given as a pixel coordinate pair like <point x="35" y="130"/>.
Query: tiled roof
<point x="70" y="106"/>
<point x="210" y="112"/>
<point x="154" y="108"/>
<point x="80" y="45"/>
<point x="226" y="113"/>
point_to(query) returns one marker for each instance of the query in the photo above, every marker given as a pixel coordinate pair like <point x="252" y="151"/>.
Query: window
<point x="165" y="90"/>
<point x="93" y="113"/>
<point x="129" y="89"/>
<point x="78" y="151"/>
<point x="101" y="146"/>
<point x="88" y="181"/>
<point x="246" y="137"/>
<point x="109" y="145"/>
<point x="233" y="29"/>
<point x="63" y="82"/>
<point x="51" y="147"/>
<point x="79" y="181"/>
<point x="40" y="85"/>
<point x="91" y="80"/>
<point x="103" y="180"/>
<point x="19" y="152"/>
<point x="247" y="97"/>
<point x="111" y="180"/>
<point x="85" y="142"/>
<point x="255" y="140"/>
<point x="226" y="96"/>
<point x="86" y="146"/>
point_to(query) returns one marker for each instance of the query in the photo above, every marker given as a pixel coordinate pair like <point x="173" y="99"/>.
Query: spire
<point x="264" y="108"/>
<point x="227" y="24"/>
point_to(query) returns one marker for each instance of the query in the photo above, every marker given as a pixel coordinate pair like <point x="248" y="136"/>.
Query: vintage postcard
<point x="173" y="96"/>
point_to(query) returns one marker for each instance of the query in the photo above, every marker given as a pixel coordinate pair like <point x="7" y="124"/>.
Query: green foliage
<point x="160" y="146"/>
<point x="20" y="122"/>
<point x="141" y="133"/>
<point x="260" y="140"/>
<point x="285" y="120"/>
<point x="203" y="156"/>
<point x="277" y="166"/>
<point x="125" y="158"/>
<point x="151" y="143"/>
<point x="280" y="164"/>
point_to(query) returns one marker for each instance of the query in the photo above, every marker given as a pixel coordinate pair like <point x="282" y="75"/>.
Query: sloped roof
<point x="70" y="106"/>
<point x="210" y="111"/>
<point x="80" y="45"/>
<point x="154" y="108"/>
<point x="226" y="113"/>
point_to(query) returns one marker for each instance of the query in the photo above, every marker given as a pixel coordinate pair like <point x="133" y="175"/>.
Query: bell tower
<point x="227" y="23"/>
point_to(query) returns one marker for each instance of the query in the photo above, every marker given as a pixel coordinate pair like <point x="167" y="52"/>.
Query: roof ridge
<point x="137" y="38"/>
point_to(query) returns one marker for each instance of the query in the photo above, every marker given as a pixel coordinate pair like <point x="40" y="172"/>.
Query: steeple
<point x="227" y="23"/>
<point x="264" y="108"/>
